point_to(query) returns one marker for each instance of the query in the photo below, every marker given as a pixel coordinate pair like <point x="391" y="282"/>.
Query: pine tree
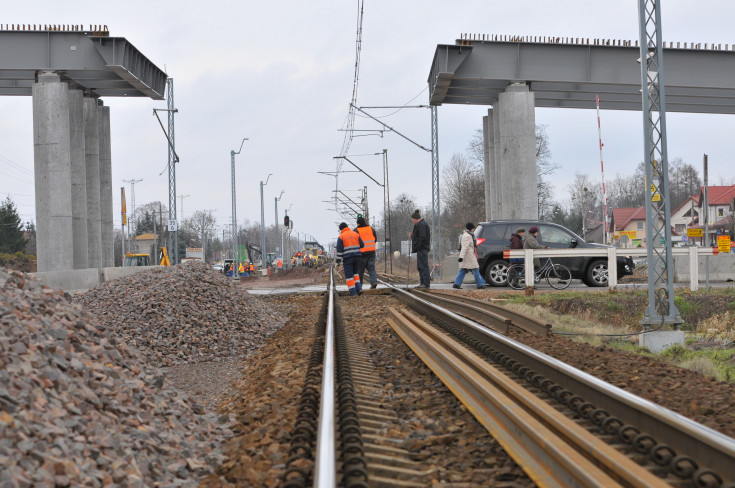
<point x="12" y="239"/>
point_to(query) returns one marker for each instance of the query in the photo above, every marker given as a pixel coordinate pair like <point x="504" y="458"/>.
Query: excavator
<point x="139" y="259"/>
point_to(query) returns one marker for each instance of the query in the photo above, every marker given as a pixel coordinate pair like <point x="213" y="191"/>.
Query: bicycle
<point x="557" y="275"/>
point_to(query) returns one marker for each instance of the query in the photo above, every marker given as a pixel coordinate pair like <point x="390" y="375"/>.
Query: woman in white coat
<point x="468" y="258"/>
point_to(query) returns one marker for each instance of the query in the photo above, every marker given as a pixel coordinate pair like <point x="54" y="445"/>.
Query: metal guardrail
<point x="325" y="468"/>
<point x="612" y="262"/>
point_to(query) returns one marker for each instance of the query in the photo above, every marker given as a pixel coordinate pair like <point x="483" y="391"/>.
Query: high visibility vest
<point x="368" y="238"/>
<point x="348" y="243"/>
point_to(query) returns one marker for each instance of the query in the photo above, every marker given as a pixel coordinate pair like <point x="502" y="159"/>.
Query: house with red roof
<point x="720" y="205"/>
<point x="630" y="222"/>
<point x="686" y="215"/>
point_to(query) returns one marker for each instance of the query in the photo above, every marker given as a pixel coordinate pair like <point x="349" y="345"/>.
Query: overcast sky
<point x="281" y="74"/>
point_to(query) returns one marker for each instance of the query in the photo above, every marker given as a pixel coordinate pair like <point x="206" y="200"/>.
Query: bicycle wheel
<point x="559" y="276"/>
<point x="517" y="277"/>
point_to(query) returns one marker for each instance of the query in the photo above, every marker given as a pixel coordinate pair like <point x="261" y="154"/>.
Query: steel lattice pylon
<point x="435" y="202"/>
<point x="173" y="241"/>
<point x="661" y="308"/>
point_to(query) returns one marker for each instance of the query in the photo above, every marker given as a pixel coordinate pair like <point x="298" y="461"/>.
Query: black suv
<point x="494" y="237"/>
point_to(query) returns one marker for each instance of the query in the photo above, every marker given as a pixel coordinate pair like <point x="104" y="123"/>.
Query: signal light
<point x="285" y="221"/>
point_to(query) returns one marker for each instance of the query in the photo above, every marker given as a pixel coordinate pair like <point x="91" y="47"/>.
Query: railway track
<point x="562" y="426"/>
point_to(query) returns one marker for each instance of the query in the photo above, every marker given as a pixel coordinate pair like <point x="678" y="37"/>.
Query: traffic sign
<point x="684" y="238"/>
<point x="723" y="243"/>
<point x="173" y="226"/>
<point x="695" y="232"/>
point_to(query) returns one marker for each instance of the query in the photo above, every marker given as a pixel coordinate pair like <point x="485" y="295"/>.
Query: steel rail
<point x="325" y="468"/>
<point x="552" y="449"/>
<point x="519" y="320"/>
<point x="669" y="428"/>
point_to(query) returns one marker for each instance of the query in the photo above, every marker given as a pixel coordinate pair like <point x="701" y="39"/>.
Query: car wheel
<point x="496" y="273"/>
<point x="596" y="274"/>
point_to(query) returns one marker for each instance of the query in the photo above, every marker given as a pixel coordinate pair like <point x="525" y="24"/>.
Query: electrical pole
<point x="123" y="222"/>
<point x="173" y="237"/>
<point x="262" y="222"/>
<point x="132" y="213"/>
<point x="181" y="197"/>
<point x="235" y="247"/>
<point x="661" y="308"/>
<point x="277" y="228"/>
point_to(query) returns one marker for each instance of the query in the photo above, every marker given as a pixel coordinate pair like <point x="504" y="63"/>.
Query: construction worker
<point x="241" y="269"/>
<point x="367" y="258"/>
<point x="349" y="244"/>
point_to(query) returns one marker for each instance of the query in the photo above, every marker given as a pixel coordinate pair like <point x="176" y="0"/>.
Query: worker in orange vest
<point x="349" y="244"/>
<point x="367" y="257"/>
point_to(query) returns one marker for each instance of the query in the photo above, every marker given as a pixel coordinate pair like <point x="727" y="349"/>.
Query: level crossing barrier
<point x="612" y="262"/>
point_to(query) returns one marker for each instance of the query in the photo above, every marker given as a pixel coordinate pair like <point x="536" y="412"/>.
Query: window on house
<point x="720" y="212"/>
<point x="680" y="228"/>
<point x="640" y="225"/>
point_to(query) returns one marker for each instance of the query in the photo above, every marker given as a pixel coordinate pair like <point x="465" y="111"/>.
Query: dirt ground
<point x="286" y="279"/>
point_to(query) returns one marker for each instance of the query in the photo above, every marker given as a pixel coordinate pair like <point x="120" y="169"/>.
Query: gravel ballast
<point x="79" y="407"/>
<point x="183" y="314"/>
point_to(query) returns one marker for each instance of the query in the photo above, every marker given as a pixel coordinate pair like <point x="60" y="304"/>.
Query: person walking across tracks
<point x="367" y="259"/>
<point x="468" y="258"/>
<point x="349" y="244"/>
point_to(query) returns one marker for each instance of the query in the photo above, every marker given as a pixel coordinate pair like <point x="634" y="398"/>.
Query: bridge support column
<point x="105" y="159"/>
<point x="53" y="174"/>
<point x="491" y="201"/>
<point x="78" y="180"/>
<point x="92" y="159"/>
<point x="512" y="164"/>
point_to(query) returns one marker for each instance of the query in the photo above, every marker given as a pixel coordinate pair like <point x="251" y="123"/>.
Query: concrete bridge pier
<point x="105" y="160"/>
<point x="53" y="174"/>
<point x="78" y="179"/>
<point x="92" y="160"/>
<point x="509" y="131"/>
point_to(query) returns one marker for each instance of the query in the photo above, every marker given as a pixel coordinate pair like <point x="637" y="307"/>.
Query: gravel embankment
<point x="80" y="407"/>
<point x="183" y="314"/>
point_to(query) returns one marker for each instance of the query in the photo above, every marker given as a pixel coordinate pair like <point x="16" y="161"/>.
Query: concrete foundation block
<point x="661" y="339"/>
<point x="70" y="280"/>
<point x="115" y="273"/>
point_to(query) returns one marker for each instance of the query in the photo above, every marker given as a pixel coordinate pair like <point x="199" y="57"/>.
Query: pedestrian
<point x="421" y="244"/>
<point x="226" y="270"/>
<point x="516" y="242"/>
<point x="367" y="257"/>
<point x="468" y="258"/>
<point x="531" y="242"/>
<point x="349" y="244"/>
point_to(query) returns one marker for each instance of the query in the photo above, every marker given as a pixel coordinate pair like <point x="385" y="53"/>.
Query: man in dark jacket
<point x="421" y="244"/>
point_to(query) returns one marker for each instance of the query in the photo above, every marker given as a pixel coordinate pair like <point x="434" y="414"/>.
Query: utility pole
<point x="262" y="222"/>
<point x="277" y="228"/>
<point x="132" y="213"/>
<point x="181" y="197"/>
<point x="661" y="307"/>
<point x="173" y="238"/>
<point x="173" y="158"/>
<point x="123" y="222"/>
<point x="235" y="247"/>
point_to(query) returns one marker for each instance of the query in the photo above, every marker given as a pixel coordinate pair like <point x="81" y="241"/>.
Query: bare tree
<point x="586" y="200"/>
<point x="544" y="167"/>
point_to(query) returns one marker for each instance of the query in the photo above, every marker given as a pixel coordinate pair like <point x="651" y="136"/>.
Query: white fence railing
<point x="612" y="261"/>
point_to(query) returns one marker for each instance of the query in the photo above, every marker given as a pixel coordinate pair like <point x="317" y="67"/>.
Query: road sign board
<point x="723" y="243"/>
<point x="173" y="226"/>
<point x="695" y="232"/>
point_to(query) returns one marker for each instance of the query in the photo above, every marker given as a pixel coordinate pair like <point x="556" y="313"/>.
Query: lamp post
<point x="262" y="222"/>
<point x="276" y="200"/>
<point x="235" y="253"/>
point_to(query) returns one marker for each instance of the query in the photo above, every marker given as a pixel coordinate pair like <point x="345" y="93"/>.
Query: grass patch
<point x="709" y="352"/>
